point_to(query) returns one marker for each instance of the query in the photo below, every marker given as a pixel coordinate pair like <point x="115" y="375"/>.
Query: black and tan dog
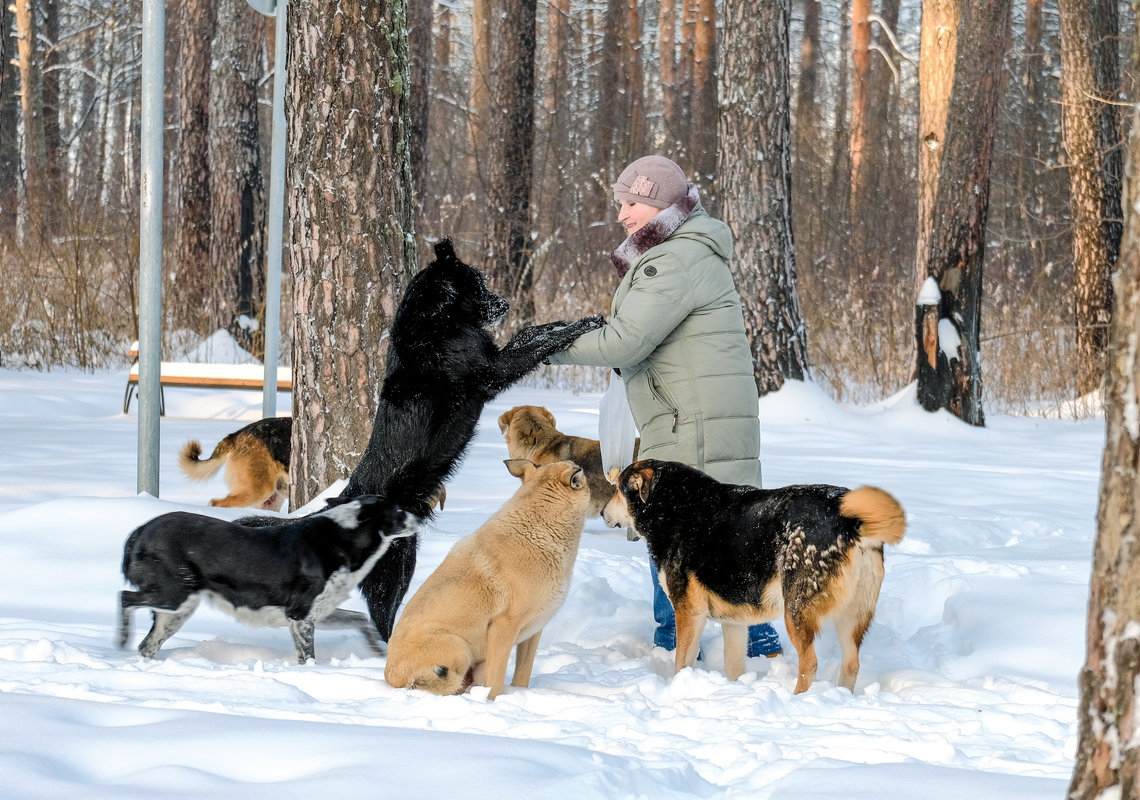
<point x="256" y="459"/>
<point x="530" y="434"/>
<point x="743" y="555"/>
<point x="292" y="575"/>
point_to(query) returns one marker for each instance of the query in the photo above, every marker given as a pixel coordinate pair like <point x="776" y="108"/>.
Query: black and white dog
<point x="294" y="574"/>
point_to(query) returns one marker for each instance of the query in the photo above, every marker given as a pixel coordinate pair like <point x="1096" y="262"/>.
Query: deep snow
<point x="968" y="680"/>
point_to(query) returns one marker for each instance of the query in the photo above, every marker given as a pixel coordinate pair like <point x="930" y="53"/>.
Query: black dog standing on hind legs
<point x="442" y="367"/>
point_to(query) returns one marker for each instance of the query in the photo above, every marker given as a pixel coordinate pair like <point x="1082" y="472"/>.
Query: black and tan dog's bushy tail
<point x="196" y="468"/>
<point x="881" y="515"/>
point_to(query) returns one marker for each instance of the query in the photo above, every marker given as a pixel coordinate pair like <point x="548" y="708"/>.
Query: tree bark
<point x="192" y="220"/>
<point x="1108" y="753"/>
<point x="957" y="250"/>
<point x="860" y="94"/>
<point x="350" y="213"/>
<point x="755" y="186"/>
<point x="237" y="188"/>
<point x="938" y="50"/>
<point x="703" y="155"/>
<point x="9" y="119"/>
<point x="1091" y="79"/>
<point x="512" y="142"/>
<point x="420" y="53"/>
<point x="32" y="107"/>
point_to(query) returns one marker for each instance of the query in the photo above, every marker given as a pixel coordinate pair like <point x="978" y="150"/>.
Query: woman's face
<point x="634" y="216"/>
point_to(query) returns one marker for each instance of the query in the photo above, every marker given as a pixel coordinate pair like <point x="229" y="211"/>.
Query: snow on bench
<point x="204" y="376"/>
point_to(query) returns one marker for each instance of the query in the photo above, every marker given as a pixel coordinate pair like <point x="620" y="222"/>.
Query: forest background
<point x="612" y="80"/>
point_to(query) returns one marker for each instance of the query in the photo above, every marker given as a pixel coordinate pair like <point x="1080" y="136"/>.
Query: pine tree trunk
<point x="667" y="55"/>
<point x="513" y="143"/>
<point x="420" y="53"/>
<point x="352" y="247"/>
<point x="938" y="50"/>
<point x="32" y="107"/>
<point x="9" y="119"/>
<point x="860" y="95"/>
<point x="703" y="118"/>
<point x="755" y="184"/>
<point x="192" y="220"/>
<point x="809" y="148"/>
<point x="1108" y="748"/>
<point x="957" y="250"/>
<point x="237" y="188"/>
<point x="1090" y="80"/>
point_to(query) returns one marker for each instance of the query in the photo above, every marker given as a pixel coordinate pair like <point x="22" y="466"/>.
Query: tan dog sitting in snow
<point x="498" y="587"/>
<point x="530" y="434"/>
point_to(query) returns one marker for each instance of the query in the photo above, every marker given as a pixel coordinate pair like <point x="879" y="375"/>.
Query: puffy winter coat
<point x="676" y="333"/>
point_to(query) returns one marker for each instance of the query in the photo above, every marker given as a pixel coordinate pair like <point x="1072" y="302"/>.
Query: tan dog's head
<point x="529" y="431"/>
<point x="436" y="662"/>
<point x="560" y="476"/>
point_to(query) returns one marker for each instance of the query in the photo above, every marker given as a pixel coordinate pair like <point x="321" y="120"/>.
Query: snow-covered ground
<point x="967" y="689"/>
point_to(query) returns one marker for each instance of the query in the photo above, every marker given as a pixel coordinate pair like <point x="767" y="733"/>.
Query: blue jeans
<point x="762" y="639"/>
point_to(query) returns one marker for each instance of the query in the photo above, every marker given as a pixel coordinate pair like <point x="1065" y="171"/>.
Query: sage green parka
<point x="676" y="333"/>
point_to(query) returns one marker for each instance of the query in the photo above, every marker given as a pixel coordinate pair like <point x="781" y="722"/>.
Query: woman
<point x="676" y="337"/>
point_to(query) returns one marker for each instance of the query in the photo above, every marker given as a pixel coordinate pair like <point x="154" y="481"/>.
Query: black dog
<point x="442" y="367"/>
<point x="294" y="574"/>
<point x="742" y="555"/>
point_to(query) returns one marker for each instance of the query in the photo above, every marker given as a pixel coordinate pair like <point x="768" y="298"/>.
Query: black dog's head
<point x="448" y="291"/>
<point x="634" y="486"/>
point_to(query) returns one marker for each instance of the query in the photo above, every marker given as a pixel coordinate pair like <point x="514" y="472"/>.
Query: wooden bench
<point x="203" y="376"/>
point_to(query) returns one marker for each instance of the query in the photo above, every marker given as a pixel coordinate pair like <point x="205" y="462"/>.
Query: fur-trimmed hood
<point x="654" y="232"/>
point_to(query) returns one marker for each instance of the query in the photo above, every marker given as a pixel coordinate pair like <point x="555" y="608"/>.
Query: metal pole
<point x="150" y="243"/>
<point x="276" y="217"/>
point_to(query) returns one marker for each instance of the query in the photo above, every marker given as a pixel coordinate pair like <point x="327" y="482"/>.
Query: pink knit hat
<point x="653" y="180"/>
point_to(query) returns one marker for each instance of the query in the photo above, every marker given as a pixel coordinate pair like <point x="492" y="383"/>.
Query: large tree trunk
<point x="671" y="111"/>
<point x="237" y="196"/>
<point x="635" y="143"/>
<point x="949" y="330"/>
<point x="349" y="205"/>
<point x="809" y="150"/>
<point x="420" y="53"/>
<point x="53" y="143"/>
<point x="32" y="106"/>
<point x="860" y="95"/>
<point x="755" y="185"/>
<point x="9" y="119"/>
<point x="513" y="145"/>
<point x="192" y="220"/>
<point x="702" y="135"/>
<point x="1091" y="77"/>
<point x="1108" y="755"/>
<point x="938" y="49"/>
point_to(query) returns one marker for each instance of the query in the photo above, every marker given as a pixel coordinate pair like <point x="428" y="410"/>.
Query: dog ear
<point x="543" y="412"/>
<point x="641" y="482"/>
<point x="519" y="467"/>
<point x="578" y="479"/>
<point x="444" y="250"/>
<point x="505" y="419"/>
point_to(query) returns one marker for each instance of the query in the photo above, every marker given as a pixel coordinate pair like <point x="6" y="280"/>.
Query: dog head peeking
<point x="526" y="429"/>
<point x="634" y="485"/>
<point x="450" y="291"/>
